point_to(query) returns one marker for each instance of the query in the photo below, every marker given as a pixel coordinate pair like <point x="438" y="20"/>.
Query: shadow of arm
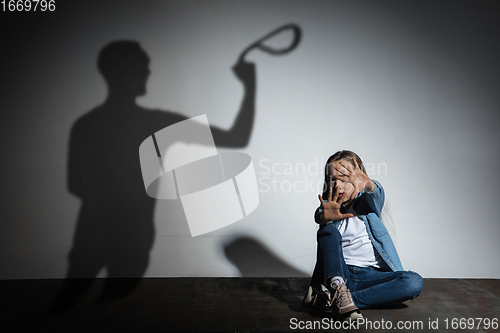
<point x="239" y="134"/>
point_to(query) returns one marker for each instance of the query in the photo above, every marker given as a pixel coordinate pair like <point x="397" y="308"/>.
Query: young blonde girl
<point x="357" y="263"/>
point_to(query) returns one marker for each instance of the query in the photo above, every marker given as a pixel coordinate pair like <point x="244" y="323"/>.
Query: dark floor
<point x="234" y="305"/>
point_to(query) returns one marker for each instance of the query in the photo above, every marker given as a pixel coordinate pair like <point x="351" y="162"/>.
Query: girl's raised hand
<point x="346" y="172"/>
<point x="331" y="208"/>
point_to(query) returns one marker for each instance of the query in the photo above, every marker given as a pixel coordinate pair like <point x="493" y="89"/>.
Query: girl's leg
<point x="371" y="287"/>
<point x="323" y="294"/>
<point x="330" y="259"/>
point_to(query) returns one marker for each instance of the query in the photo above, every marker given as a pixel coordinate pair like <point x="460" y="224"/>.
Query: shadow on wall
<point x="254" y="259"/>
<point x="115" y="228"/>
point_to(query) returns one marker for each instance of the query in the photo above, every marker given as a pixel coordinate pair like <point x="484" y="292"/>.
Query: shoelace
<point x="342" y="295"/>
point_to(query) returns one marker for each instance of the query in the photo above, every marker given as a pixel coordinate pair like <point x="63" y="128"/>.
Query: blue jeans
<point x="369" y="286"/>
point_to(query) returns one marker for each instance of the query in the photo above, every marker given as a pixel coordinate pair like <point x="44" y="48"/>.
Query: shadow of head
<point x="125" y="67"/>
<point x="254" y="259"/>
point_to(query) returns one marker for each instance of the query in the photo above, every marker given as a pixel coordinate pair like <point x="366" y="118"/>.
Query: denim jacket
<point x="369" y="207"/>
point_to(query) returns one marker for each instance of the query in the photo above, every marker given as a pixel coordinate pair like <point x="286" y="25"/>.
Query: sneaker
<point x="342" y="301"/>
<point x="317" y="298"/>
<point x="353" y="315"/>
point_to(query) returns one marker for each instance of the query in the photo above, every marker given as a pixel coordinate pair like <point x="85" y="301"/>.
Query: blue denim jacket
<point x="369" y="207"/>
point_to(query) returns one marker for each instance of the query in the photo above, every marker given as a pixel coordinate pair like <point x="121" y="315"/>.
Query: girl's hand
<point x="346" y="172"/>
<point x="331" y="208"/>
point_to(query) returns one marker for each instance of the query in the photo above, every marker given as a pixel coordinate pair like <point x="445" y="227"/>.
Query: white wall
<point x="411" y="87"/>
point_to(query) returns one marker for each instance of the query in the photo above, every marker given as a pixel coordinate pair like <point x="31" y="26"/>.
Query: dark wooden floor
<point x="231" y="305"/>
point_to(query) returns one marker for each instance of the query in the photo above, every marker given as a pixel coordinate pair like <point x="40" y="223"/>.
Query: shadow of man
<point x="115" y="227"/>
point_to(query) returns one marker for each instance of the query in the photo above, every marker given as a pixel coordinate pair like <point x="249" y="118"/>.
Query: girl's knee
<point x="329" y="230"/>
<point x="414" y="284"/>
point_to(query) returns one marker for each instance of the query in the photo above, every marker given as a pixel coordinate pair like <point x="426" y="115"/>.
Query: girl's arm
<point x="375" y="198"/>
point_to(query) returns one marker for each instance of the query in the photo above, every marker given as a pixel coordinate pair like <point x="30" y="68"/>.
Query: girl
<point x="357" y="264"/>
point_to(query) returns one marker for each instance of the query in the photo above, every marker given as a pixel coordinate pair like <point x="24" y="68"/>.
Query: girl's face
<point x="345" y="188"/>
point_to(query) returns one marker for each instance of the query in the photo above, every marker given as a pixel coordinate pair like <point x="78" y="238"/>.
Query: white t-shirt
<point x="356" y="244"/>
